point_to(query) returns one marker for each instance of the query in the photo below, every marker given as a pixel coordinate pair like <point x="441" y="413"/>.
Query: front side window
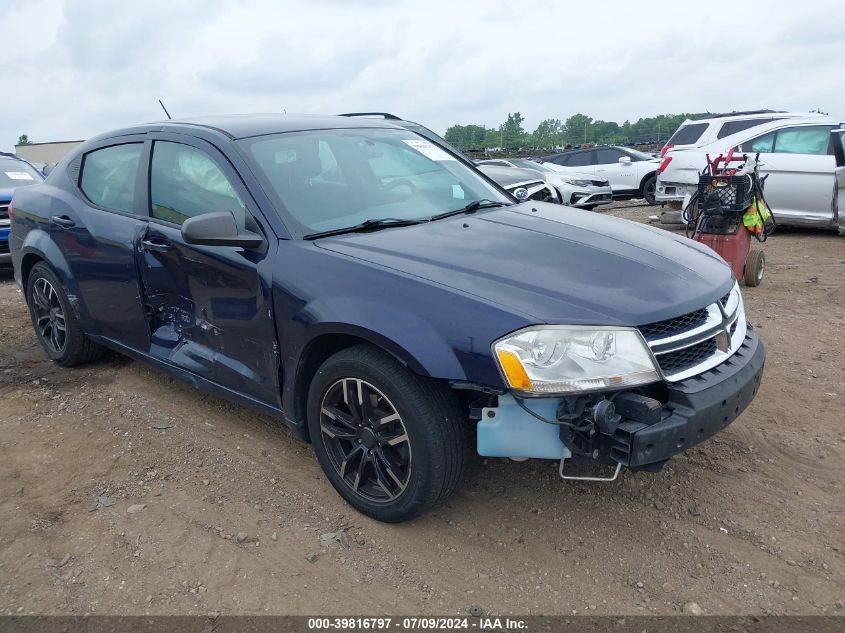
<point x="186" y="182"/>
<point x="803" y="140"/>
<point x="607" y="156"/>
<point x="579" y="159"/>
<point x="109" y="175"/>
<point x="333" y="179"/>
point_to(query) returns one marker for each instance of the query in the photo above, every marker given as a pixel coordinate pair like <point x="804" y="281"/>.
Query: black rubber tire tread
<point x="431" y="415"/>
<point x="79" y="349"/>
<point x="753" y="264"/>
<point x="648" y="179"/>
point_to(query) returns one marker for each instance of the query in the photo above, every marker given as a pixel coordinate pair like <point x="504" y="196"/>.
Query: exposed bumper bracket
<point x="583" y="478"/>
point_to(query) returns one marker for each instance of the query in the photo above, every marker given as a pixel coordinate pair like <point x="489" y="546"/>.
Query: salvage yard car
<point x="14" y="173"/>
<point x="576" y="190"/>
<point x="631" y="173"/>
<point x="796" y="158"/>
<point x="382" y="298"/>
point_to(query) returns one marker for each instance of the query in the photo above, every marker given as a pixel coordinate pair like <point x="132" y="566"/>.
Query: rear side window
<point x="558" y="159"/>
<point x="732" y="127"/>
<point x="185" y="182"/>
<point x="687" y="134"/>
<point x="109" y="174"/>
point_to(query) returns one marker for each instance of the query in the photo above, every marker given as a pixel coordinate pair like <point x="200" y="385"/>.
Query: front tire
<point x="54" y="320"/>
<point x="391" y="443"/>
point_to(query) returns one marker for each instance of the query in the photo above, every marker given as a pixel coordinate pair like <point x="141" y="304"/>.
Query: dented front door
<point x="209" y="308"/>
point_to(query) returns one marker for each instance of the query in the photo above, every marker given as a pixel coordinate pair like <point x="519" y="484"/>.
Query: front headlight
<point x="577" y="183"/>
<point x="562" y="359"/>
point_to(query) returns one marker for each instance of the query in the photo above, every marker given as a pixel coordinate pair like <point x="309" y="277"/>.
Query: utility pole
<point x="585" y="132"/>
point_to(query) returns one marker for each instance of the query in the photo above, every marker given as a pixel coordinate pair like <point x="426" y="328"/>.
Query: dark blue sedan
<point x="383" y="298"/>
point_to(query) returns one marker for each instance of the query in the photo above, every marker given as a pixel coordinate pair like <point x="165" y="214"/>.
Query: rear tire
<point x="648" y="189"/>
<point x="588" y="207"/>
<point x="755" y="265"/>
<point x="54" y="320"/>
<point x="391" y="443"/>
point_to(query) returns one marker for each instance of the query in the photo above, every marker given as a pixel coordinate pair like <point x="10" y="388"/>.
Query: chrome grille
<point x="692" y="343"/>
<point x="4" y="211"/>
<point x="677" y="325"/>
<point x="683" y="359"/>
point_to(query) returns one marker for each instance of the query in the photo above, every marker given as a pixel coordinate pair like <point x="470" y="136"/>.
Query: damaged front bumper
<point x="643" y="428"/>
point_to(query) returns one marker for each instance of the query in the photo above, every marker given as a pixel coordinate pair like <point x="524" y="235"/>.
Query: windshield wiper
<point x="472" y="207"/>
<point x="366" y="225"/>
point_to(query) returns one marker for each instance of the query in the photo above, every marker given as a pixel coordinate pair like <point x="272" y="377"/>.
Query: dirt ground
<point x="124" y="492"/>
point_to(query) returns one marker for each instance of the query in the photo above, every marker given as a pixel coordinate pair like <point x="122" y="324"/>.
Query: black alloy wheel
<point x="365" y="440"/>
<point x="49" y="316"/>
<point x="391" y="443"/>
<point x="56" y="324"/>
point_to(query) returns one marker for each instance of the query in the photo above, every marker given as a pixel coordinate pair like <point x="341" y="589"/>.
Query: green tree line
<point x="577" y="129"/>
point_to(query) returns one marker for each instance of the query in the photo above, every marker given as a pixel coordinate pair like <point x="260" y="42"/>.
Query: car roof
<point x="237" y="126"/>
<point x="764" y="128"/>
<point x="752" y="114"/>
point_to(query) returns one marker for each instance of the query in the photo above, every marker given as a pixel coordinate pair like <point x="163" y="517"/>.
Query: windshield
<point x="16" y="173"/>
<point x="323" y="180"/>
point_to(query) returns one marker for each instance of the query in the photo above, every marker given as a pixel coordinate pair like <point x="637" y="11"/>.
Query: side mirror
<point x="218" y="229"/>
<point x="625" y="160"/>
<point x="48" y="168"/>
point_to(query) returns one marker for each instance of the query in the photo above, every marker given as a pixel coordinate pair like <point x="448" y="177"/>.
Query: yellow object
<point x="756" y="215"/>
<point x="514" y="371"/>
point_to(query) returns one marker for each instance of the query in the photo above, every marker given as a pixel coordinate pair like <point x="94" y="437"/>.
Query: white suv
<point x="795" y="153"/>
<point x="700" y="132"/>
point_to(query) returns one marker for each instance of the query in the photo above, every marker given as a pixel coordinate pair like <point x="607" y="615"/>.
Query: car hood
<point x="509" y="176"/>
<point x="552" y="263"/>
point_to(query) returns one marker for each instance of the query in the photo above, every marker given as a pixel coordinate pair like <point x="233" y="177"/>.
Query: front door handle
<point x="63" y="221"/>
<point x="156" y="244"/>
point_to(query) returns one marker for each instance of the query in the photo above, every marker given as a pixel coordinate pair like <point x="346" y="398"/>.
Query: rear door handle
<point x="62" y="220"/>
<point x="156" y="244"/>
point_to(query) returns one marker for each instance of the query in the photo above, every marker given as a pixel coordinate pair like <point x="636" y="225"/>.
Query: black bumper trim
<point x="697" y="408"/>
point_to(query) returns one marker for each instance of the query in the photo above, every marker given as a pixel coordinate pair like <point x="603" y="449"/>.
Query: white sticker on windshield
<point x="19" y="175"/>
<point x="427" y="149"/>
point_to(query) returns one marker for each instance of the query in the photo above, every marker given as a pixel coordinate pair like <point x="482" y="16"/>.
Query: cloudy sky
<point x="73" y="68"/>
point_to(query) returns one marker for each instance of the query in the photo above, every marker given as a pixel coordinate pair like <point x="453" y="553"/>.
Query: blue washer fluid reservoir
<point x="512" y="432"/>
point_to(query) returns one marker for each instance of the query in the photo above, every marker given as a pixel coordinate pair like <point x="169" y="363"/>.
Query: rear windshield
<point x="687" y="134"/>
<point x="732" y="127"/>
<point x="16" y="173"/>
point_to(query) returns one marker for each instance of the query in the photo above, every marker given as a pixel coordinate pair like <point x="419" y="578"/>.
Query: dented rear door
<point x="209" y="308"/>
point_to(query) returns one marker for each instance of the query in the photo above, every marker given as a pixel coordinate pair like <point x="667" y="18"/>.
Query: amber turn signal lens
<point x="514" y="372"/>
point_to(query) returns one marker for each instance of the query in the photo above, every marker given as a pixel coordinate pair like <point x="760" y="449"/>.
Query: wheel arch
<point x="645" y="178"/>
<point x="330" y="338"/>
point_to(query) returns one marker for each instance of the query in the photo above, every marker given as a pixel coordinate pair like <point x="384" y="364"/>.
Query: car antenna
<point x="165" y="109"/>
